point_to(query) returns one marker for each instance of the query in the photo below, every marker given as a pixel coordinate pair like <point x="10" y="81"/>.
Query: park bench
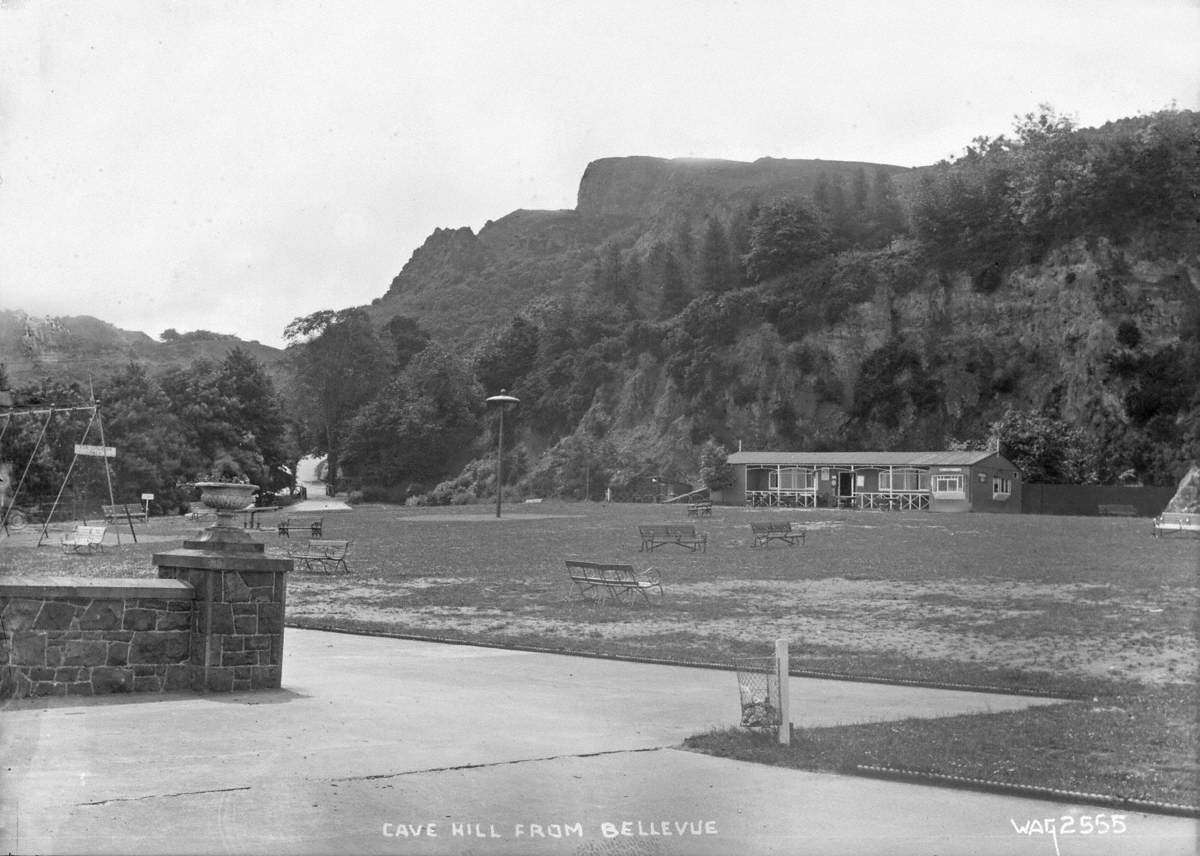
<point x="1176" y="521"/>
<point x="700" y="509"/>
<point x="316" y="528"/>
<point x="84" y="539"/>
<point x="654" y="536"/>
<point x="330" y="555"/>
<point x="765" y="533"/>
<point x="1117" y="511"/>
<point x="599" y="581"/>
<point x="124" y="512"/>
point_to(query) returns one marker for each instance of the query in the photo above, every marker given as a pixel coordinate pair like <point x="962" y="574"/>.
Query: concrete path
<point x="387" y="746"/>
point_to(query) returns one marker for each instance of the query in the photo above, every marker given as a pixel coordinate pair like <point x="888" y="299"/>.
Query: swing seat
<point x="85" y="539"/>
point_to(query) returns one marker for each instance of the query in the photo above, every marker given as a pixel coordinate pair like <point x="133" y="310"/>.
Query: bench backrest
<point x="333" y="549"/>
<point x="123" y="509"/>
<point x="771" y="527"/>
<point x="90" y="533"/>
<point x="670" y="530"/>
<point x="600" y="571"/>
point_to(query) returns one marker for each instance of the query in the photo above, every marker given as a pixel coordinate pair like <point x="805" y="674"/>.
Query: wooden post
<point x="781" y="675"/>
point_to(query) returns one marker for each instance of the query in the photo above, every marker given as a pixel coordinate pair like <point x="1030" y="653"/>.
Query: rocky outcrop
<point x="76" y="348"/>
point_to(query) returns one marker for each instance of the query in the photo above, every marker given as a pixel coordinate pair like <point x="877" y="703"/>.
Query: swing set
<point x="15" y="518"/>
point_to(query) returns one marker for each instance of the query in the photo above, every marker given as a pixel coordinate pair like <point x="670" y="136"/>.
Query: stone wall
<point x="67" y="636"/>
<point x="212" y="622"/>
<point x="238" y="614"/>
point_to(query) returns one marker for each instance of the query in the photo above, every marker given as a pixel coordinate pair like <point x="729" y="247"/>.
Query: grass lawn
<point x="1093" y="608"/>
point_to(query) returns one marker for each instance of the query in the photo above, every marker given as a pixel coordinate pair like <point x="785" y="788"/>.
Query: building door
<point x="845" y="485"/>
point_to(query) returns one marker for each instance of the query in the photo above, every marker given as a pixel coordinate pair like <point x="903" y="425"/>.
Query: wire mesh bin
<point x="758" y="687"/>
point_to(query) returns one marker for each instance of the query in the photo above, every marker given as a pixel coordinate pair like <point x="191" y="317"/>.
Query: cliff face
<point x="531" y="255"/>
<point x="1047" y="340"/>
<point x="632" y="189"/>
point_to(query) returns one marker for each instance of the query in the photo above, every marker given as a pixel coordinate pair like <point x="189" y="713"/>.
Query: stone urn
<point x="227" y="499"/>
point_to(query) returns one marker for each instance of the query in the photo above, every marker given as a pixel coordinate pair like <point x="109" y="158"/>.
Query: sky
<point x="230" y="166"/>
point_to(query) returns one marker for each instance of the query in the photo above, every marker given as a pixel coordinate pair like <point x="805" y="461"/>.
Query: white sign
<point x="146" y="497"/>
<point x="96" y="451"/>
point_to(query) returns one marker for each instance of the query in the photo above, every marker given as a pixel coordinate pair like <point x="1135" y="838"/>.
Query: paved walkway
<point x="388" y="746"/>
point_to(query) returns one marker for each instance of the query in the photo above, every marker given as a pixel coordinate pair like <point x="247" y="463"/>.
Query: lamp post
<point x="503" y="401"/>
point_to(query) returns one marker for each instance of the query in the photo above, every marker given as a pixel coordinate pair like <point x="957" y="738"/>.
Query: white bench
<point x="84" y="539"/>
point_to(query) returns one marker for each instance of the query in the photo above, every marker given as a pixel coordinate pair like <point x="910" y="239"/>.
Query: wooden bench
<point x="1176" y="521"/>
<point x="85" y="539"/>
<point x="124" y="512"/>
<point x="700" y="509"/>
<point x="654" y="536"/>
<point x="765" y="533"/>
<point x="316" y="528"/>
<point x="330" y="555"/>
<point x="599" y="581"/>
<point x="1117" y="511"/>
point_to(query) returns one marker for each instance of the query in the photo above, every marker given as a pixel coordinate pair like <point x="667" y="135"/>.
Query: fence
<point x="1086" y="499"/>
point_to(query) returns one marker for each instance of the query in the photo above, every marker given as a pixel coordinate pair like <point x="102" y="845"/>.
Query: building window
<point x="792" y="478"/>
<point x="1001" y="487"/>
<point x="906" y="479"/>
<point x="949" y="486"/>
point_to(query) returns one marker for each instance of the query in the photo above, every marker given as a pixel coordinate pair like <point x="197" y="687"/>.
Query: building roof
<point x="861" y="459"/>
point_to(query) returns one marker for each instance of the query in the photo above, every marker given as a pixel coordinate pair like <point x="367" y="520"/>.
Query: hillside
<point x="74" y="348"/>
<point x="1043" y="290"/>
<point x="822" y="305"/>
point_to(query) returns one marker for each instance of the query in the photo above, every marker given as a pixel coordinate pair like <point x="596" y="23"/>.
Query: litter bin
<point x="758" y="689"/>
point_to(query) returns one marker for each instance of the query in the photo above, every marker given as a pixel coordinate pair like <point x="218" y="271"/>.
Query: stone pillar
<point x="237" y="620"/>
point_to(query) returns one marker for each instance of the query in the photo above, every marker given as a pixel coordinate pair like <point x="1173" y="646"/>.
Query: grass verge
<point x="1077" y="747"/>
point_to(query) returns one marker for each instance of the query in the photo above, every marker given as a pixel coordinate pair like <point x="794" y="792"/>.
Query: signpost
<point x="146" y="497"/>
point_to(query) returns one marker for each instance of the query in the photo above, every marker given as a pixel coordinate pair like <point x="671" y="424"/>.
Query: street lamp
<point x="503" y="401"/>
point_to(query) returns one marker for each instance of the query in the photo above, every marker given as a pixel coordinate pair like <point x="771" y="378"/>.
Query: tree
<point x="894" y="387"/>
<point x="421" y="427"/>
<point x="41" y="445"/>
<point x="406" y="338"/>
<point x="509" y="357"/>
<point x="717" y="272"/>
<point x="785" y="235"/>
<point x="886" y="211"/>
<point x="963" y="217"/>
<point x="1045" y="449"/>
<point x="672" y="291"/>
<point x="338" y="365"/>
<point x="715" y="470"/>
<point x="151" y="440"/>
<point x="254" y="408"/>
<point x="611" y="281"/>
